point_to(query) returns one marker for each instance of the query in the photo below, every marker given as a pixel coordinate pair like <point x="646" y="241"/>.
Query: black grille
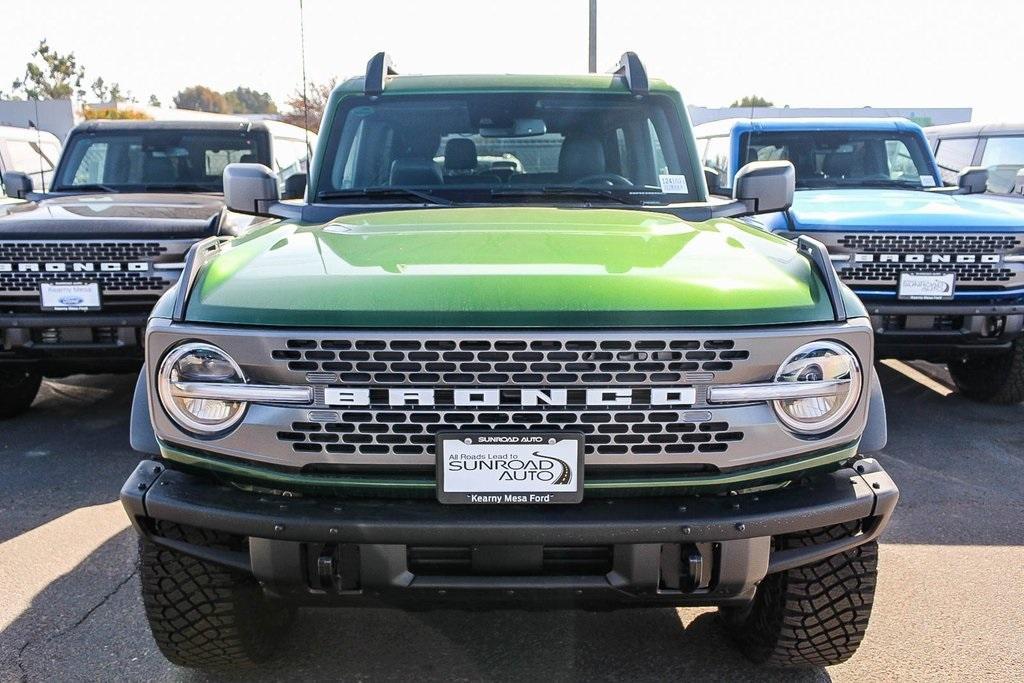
<point x="120" y="281"/>
<point x="507" y="362"/>
<point x="890" y="272"/>
<point x="931" y="244"/>
<point x="25" y="265"/>
<point x="927" y="247"/>
<point x="591" y="560"/>
<point x="413" y="430"/>
<point x="80" y="251"/>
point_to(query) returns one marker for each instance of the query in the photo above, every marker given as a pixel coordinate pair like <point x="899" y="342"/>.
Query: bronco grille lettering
<point x="468" y="398"/>
<point x="75" y="267"/>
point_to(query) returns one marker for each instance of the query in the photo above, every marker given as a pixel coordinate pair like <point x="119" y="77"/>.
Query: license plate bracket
<point x="502" y="468"/>
<point x="926" y="286"/>
<point x="69" y="296"/>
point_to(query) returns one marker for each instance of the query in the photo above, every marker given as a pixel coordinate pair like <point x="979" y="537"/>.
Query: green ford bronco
<point x="508" y="352"/>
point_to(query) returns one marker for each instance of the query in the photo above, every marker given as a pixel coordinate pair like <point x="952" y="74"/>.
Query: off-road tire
<point x="814" y="615"/>
<point x="992" y="378"/>
<point x="18" y="388"/>
<point x="203" y="615"/>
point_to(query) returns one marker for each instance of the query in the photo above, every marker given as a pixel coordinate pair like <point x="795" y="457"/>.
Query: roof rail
<point x="378" y="69"/>
<point x="632" y="69"/>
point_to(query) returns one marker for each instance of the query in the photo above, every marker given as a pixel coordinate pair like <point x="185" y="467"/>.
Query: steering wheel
<point x="609" y="179"/>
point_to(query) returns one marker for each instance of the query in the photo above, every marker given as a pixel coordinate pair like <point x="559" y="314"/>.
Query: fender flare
<point x="141" y="435"/>
<point x="876" y="430"/>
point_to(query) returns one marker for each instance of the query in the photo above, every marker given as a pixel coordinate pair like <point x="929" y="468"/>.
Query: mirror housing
<point x="250" y="188"/>
<point x="713" y="179"/>
<point x="17" y="184"/>
<point x="765" y="186"/>
<point x="973" y="180"/>
<point x="294" y="186"/>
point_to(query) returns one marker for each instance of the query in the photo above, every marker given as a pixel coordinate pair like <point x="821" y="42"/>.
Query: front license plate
<point x="501" y="468"/>
<point x="69" y="296"/>
<point x="933" y="287"/>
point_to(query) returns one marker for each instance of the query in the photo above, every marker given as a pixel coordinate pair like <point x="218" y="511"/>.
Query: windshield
<point x="828" y="159"/>
<point x="155" y="160"/>
<point x="497" y="147"/>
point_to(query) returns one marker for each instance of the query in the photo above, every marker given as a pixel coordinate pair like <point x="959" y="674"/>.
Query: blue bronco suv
<point x="940" y="269"/>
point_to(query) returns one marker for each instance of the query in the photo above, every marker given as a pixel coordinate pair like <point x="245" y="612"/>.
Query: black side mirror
<point x="18" y="184"/>
<point x="713" y="179"/>
<point x="765" y="186"/>
<point x="973" y="180"/>
<point x="294" y="186"/>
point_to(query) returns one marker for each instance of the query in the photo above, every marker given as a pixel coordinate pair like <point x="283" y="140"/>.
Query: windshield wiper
<point x="566" y="191"/>
<point x="178" y="187"/>
<point x="89" y="187"/>
<point x="385" y="193"/>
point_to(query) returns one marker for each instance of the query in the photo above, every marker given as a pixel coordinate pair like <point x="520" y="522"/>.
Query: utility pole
<point x="592" y="47"/>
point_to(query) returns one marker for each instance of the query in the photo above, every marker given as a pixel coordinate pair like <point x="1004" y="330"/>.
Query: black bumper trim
<point x="865" y="492"/>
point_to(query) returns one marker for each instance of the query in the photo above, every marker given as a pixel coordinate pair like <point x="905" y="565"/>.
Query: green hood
<point x="509" y="267"/>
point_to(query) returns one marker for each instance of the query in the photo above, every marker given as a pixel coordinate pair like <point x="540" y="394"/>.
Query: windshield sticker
<point x="927" y="181"/>
<point x="673" y="183"/>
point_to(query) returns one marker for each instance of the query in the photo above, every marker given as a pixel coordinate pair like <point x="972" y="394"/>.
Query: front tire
<point x="992" y="378"/>
<point x="203" y="615"/>
<point x="815" y="615"/>
<point x="18" y="388"/>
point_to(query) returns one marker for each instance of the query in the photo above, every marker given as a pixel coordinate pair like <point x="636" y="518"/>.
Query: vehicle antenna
<point x="305" y="99"/>
<point x="39" y="145"/>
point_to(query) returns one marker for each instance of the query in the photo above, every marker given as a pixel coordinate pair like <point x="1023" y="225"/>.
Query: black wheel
<point x="205" y="616"/>
<point x="995" y="378"/>
<point x="18" y="388"/>
<point x="814" y="615"/>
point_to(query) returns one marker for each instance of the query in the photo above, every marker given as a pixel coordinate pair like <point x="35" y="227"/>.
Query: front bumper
<point x="64" y="343"/>
<point x="681" y="550"/>
<point x="942" y="331"/>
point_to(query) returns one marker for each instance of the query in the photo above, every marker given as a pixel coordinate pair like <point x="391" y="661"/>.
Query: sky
<point x="880" y="53"/>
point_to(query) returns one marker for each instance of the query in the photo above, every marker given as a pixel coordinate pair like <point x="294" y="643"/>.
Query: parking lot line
<point x="917" y="376"/>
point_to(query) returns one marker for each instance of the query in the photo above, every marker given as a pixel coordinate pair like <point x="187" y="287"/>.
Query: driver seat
<point x="580" y="157"/>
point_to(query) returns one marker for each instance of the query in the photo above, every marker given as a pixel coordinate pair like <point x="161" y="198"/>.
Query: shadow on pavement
<point x="957" y="464"/>
<point x="70" y="450"/>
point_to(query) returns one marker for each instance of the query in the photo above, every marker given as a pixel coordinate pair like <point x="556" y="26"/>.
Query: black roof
<point x="963" y="130"/>
<point x="199" y="124"/>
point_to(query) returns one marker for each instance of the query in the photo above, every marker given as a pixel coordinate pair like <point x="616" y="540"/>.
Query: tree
<point x="244" y="100"/>
<point x="317" y="97"/>
<point x="154" y="101"/>
<point x="201" y="98"/>
<point x="51" y="75"/>
<point x="111" y="93"/>
<point x="752" y="101"/>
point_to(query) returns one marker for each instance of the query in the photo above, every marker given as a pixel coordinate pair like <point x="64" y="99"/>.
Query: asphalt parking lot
<point x="949" y="605"/>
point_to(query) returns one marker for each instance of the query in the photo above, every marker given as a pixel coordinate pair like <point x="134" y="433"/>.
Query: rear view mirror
<point x="250" y="188"/>
<point x="973" y="180"/>
<point x="765" y="186"/>
<point x="520" y="128"/>
<point x="294" y="186"/>
<point x="17" y="184"/>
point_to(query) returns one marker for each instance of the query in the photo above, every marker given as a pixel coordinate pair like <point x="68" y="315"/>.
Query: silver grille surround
<point x="721" y="436"/>
<point x="1002" y="275"/>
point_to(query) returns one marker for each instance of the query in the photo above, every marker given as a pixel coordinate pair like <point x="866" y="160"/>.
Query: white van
<point x="30" y="151"/>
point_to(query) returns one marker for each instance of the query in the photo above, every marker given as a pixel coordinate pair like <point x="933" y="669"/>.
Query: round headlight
<point x="826" y="362"/>
<point x="192" y="364"/>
